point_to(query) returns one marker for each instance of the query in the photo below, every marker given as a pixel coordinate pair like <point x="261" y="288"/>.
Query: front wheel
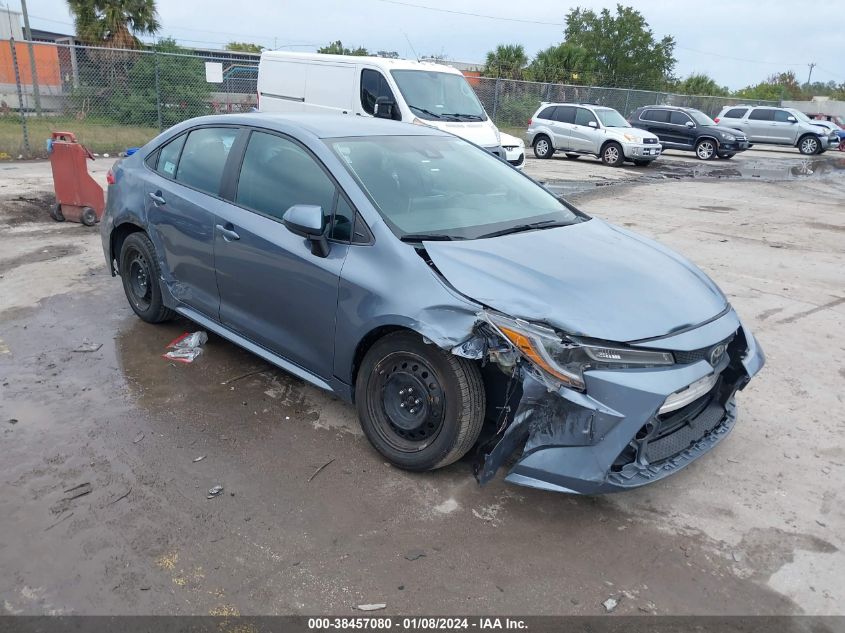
<point x="809" y="145"/>
<point x="705" y="149"/>
<point x="543" y="147"/>
<point x="140" y="273"/>
<point x="420" y="406"/>
<point x="612" y="155"/>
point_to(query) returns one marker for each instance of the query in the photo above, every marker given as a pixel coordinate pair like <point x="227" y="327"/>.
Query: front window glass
<point x="611" y="118"/>
<point x="583" y="116"/>
<point x="798" y="115"/>
<point x="373" y="86"/>
<point x="700" y="118"/>
<point x="434" y="95"/>
<point x="444" y="187"/>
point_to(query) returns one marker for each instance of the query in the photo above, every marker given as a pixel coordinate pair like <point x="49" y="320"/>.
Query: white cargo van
<point x="416" y="92"/>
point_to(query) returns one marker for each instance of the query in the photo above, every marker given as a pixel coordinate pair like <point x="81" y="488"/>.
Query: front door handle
<point x="157" y="198"/>
<point x="228" y="234"/>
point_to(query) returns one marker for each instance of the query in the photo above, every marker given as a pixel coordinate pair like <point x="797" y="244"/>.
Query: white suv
<point x="577" y="129"/>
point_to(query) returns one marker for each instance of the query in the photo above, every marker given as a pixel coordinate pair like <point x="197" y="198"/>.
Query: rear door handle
<point x="157" y="197"/>
<point x="228" y="233"/>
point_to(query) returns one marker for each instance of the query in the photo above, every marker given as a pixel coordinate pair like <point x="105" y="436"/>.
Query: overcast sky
<point x="738" y="42"/>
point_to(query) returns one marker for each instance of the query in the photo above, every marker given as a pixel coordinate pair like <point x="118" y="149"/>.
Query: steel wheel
<point x="809" y="145"/>
<point x="141" y="292"/>
<point x="705" y="149"/>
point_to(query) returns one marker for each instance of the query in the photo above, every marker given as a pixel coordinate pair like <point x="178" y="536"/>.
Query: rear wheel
<point x="421" y="407"/>
<point x="140" y="273"/>
<point x="706" y="149"/>
<point x="809" y="144"/>
<point x="543" y="147"/>
<point x="612" y="155"/>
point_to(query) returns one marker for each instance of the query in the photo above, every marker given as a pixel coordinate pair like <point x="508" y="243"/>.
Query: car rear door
<point x="655" y="120"/>
<point x="760" y="129"/>
<point x="182" y="196"/>
<point x="563" y="116"/>
<point x="273" y="290"/>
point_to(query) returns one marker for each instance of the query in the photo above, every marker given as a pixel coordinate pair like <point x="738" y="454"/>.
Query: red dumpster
<point x="78" y="196"/>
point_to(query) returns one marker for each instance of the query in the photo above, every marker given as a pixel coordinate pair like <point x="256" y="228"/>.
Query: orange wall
<point x="46" y="64"/>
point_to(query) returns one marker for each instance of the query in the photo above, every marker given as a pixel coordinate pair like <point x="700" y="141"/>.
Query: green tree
<point x="700" y="84"/>
<point x="244" y="47"/>
<point x="563" y="63"/>
<point x="507" y="61"/>
<point x="624" y="48"/>
<point x="114" y="23"/>
<point x="777" y="87"/>
<point x="337" y="48"/>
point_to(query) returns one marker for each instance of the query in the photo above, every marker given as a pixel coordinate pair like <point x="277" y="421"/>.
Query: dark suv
<point x="689" y="129"/>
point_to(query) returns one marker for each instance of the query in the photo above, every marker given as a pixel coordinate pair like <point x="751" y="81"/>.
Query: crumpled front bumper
<point x="611" y="437"/>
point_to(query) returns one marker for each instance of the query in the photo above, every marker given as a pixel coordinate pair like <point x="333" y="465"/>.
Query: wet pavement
<point x="311" y="520"/>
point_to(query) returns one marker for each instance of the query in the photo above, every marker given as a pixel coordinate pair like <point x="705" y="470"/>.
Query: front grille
<point x="695" y="428"/>
<point x="741" y="138"/>
<point x="649" y="141"/>
<point x="686" y="358"/>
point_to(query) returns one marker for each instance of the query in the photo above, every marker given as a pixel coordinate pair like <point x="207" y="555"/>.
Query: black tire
<point x="809" y="145"/>
<point x="448" y="416"/>
<point x="726" y="155"/>
<point x="543" y="147"/>
<point x="573" y="156"/>
<point x="706" y="149"/>
<point x="140" y="273"/>
<point x="643" y="163"/>
<point x="612" y="154"/>
<point x="56" y="213"/>
<point x="89" y="216"/>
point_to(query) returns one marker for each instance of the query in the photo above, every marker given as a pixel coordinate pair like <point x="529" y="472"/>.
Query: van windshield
<point x="434" y="95"/>
<point x="443" y="188"/>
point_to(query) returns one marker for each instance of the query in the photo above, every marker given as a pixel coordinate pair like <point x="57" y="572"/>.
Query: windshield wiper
<point x="424" y="111"/>
<point x="428" y="237"/>
<point x="474" y="117"/>
<point x="520" y="228"/>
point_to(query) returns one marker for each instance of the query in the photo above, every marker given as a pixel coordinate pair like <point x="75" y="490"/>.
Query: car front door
<point x="760" y="128"/>
<point x="584" y="132"/>
<point x="273" y="290"/>
<point x="181" y="198"/>
<point x="680" y="130"/>
<point x="784" y="130"/>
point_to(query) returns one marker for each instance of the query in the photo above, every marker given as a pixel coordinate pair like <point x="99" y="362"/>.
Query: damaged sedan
<point x="456" y="302"/>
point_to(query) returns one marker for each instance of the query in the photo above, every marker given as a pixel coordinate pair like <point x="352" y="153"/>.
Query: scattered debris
<point x="138" y="438"/>
<point x="145" y="587"/>
<point x="415" y="554"/>
<point x="123" y="496"/>
<point x="215" y="491"/>
<point x="372" y="607"/>
<point x="737" y="556"/>
<point x="50" y="527"/>
<point x="187" y="347"/>
<point x="242" y="376"/>
<point x="610" y="604"/>
<point x="317" y="472"/>
<point x="86" y="347"/>
<point x="78" y="491"/>
<point x="13" y="420"/>
<point x="199" y="459"/>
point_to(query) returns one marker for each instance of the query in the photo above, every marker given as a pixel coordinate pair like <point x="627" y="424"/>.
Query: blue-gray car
<point x="456" y="302"/>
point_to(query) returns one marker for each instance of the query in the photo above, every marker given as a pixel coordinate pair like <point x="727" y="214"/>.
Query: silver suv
<point x="779" y="126"/>
<point x="577" y="129"/>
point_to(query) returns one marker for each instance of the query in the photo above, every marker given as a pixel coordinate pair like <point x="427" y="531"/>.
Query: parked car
<point x="427" y="93"/>
<point x="578" y="129"/>
<point x="514" y="149"/>
<point x="779" y="126"/>
<point x="418" y="276"/>
<point x="838" y="126"/>
<point x="690" y="129"/>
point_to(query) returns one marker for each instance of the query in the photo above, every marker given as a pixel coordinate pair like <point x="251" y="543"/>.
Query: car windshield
<point x="434" y="95"/>
<point x="442" y="187"/>
<point x="700" y="118"/>
<point x="799" y="115"/>
<point x="611" y="118"/>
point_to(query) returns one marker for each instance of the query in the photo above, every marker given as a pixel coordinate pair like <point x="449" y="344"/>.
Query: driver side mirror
<point x="384" y="108"/>
<point x="306" y="220"/>
<point x="592" y="124"/>
<point x="791" y="119"/>
<point x="690" y="124"/>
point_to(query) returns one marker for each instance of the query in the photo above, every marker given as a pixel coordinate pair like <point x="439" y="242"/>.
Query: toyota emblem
<point x="716" y="353"/>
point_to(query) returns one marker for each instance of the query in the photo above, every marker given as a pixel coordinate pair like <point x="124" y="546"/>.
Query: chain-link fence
<point x="113" y="99"/>
<point x="511" y="103"/>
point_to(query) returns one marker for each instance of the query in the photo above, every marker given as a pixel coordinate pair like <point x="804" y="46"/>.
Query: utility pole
<point x="810" y="76"/>
<point x="27" y="33"/>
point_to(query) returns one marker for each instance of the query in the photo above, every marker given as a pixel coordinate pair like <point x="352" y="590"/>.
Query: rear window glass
<point x="547" y="113"/>
<point x="661" y="116"/>
<point x="761" y="114"/>
<point x="565" y="114"/>
<point x="204" y="157"/>
<point x="168" y="157"/>
<point x="735" y="113"/>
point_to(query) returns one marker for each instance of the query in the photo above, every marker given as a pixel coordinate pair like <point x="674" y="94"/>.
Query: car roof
<point x="319" y="125"/>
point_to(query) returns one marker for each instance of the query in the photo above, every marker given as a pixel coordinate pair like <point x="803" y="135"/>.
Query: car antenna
<point x="417" y="57"/>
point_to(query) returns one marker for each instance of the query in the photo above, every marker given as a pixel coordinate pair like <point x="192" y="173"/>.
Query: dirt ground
<point x="755" y="527"/>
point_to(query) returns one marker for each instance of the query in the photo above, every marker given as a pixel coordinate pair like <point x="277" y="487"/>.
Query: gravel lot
<point x="756" y="527"/>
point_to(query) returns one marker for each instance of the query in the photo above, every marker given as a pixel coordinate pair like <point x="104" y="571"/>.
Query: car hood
<point x="633" y="131"/>
<point x="830" y="127"/>
<point x="590" y="279"/>
<point x="724" y="128"/>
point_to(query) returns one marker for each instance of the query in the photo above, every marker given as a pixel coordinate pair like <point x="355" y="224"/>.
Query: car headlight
<point x="631" y="138"/>
<point x="565" y="359"/>
<point x="728" y="137"/>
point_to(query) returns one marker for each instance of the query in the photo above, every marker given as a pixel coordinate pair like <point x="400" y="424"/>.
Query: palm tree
<point x="563" y="63"/>
<point x="114" y="23"/>
<point x="507" y="61"/>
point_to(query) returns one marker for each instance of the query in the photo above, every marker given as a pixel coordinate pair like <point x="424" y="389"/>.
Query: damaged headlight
<point x="565" y="359"/>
